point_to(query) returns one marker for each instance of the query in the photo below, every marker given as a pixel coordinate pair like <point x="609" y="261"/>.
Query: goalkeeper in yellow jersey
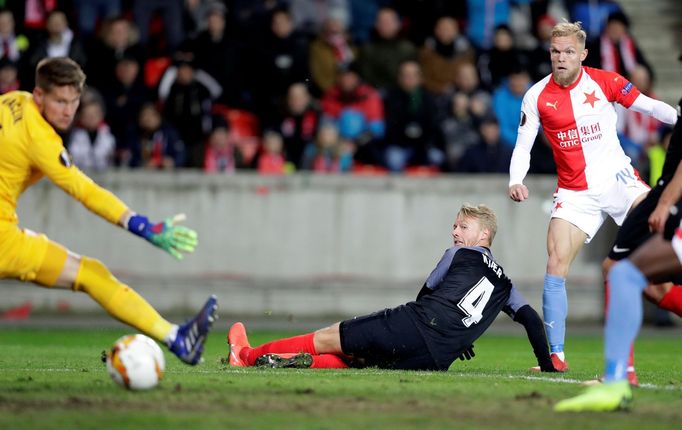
<point x="31" y="149"/>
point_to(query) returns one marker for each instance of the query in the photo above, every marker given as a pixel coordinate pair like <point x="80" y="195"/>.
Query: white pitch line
<point x="529" y="378"/>
<point x="564" y="380"/>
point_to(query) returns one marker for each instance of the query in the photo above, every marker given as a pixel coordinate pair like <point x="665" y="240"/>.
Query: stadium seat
<point x="422" y="171"/>
<point x="17" y="313"/>
<point x="244" y="126"/>
<point x="368" y="170"/>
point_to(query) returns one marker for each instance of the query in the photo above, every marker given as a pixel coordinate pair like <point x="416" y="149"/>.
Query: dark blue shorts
<point x="635" y="229"/>
<point x="387" y="339"/>
<point x="673" y="222"/>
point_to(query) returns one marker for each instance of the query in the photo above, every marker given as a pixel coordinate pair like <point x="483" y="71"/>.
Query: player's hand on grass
<point x="175" y="239"/>
<point x="518" y="192"/>
<point x="548" y="368"/>
<point x="468" y="353"/>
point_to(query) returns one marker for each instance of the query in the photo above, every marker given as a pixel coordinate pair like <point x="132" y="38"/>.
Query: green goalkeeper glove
<point x="167" y="235"/>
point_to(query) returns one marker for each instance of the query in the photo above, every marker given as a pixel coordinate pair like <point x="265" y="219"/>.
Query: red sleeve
<point x="616" y="87"/>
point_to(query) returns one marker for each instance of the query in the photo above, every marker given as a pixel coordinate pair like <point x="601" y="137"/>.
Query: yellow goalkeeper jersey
<point x="30" y="149"/>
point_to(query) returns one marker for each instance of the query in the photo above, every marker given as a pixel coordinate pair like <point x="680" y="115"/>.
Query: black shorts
<point x="635" y="229"/>
<point x="388" y="339"/>
<point x="673" y="221"/>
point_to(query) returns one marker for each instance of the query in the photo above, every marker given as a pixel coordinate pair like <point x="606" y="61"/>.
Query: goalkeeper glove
<point x="168" y="236"/>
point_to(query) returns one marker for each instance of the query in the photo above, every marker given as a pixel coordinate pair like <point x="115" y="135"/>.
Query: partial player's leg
<point x="242" y="354"/>
<point x="314" y="350"/>
<point x="385" y="339"/>
<point x="389" y="339"/>
<point x="633" y="232"/>
<point x="301" y="360"/>
<point x="667" y="296"/>
<point x="631" y="372"/>
<point x="64" y="269"/>
<point x="655" y="260"/>
<point x="564" y="240"/>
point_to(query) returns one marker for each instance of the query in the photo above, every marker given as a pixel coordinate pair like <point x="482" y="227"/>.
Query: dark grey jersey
<point x="469" y="289"/>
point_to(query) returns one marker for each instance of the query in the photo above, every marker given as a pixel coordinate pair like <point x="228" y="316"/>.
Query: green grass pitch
<point x="54" y="379"/>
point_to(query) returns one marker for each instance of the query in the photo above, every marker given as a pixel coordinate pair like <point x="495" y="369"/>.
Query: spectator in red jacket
<point x="271" y="160"/>
<point x="355" y="107"/>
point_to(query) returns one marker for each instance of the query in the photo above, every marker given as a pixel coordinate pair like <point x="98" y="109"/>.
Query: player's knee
<point x="328" y="340"/>
<point x="557" y="265"/>
<point x="89" y="268"/>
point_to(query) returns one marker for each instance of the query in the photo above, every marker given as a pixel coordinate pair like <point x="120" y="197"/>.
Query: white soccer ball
<point x="136" y="362"/>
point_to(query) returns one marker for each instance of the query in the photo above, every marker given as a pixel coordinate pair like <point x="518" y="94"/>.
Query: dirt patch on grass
<point x="303" y="400"/>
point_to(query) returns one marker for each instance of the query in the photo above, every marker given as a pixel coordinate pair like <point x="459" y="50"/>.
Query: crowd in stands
<point x="329" y="86"/>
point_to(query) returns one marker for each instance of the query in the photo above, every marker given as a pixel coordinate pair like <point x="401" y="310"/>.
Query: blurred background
<point x="321" y="148"/>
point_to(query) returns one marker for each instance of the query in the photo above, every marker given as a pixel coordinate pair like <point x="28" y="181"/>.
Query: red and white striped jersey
<point x="580" y="123"/>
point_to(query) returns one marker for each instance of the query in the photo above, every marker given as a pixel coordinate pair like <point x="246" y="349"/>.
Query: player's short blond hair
<point x="483" y="214"/>
<point x="59" y="72"/>
<point x="564" y="29"/>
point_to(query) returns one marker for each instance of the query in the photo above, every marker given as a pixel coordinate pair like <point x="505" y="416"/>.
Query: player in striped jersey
<point x="595" y="178"/>
<point x="659" y="259"/>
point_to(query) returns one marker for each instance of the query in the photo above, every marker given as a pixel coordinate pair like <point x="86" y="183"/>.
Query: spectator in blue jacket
<point x="483" y="18"/>
<point x="507" y="104"/>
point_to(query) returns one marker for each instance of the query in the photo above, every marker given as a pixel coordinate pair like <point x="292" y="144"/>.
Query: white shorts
<point x="588" y="209"/>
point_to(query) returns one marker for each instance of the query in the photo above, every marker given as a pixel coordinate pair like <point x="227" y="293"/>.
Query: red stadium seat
<point x="422" y="171"/>
<point x="244" y="126"/>
<point x="368" y="170"/>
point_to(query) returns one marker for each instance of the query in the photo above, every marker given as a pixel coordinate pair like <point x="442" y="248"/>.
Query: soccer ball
<point x="136" y="362"/>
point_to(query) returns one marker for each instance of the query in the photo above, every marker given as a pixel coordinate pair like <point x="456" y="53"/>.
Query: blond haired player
<point x="31" y="149"/>
<point x="574" y="106"/>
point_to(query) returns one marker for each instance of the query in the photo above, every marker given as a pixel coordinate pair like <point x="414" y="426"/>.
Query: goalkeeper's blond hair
<point x="484" y="215"/>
